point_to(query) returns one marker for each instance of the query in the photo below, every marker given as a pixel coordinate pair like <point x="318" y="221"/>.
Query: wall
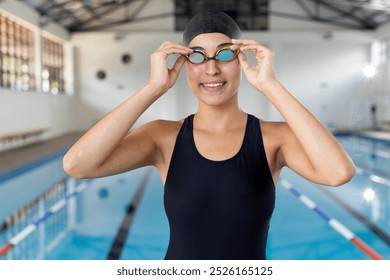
<point x="324" y="73"/>
<point x="320" y="66"/>
<point x="381" y="83"/>
<point x="21" y="111"/>
<point x="102" y="51"/>
<point x="98" y="97"/>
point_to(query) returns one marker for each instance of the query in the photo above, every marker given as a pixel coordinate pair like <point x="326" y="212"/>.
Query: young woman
<point x="219" y="166"/>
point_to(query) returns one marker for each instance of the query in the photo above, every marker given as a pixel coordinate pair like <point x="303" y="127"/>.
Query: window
<point x="16" y="55"/>
<point x="52" y="66"/>
<point x="384" y="50"/>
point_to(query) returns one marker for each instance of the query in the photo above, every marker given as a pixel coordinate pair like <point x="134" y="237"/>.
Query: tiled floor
<point x="19" y="156"/>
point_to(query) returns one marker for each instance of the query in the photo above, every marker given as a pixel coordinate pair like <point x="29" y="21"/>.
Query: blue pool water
<point x="86" y="224"/>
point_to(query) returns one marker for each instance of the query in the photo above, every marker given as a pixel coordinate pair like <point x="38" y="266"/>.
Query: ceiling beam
<point x="305" y="8"/>
<point x="125" y="21"/>
<point x="117" y="6"/>
<point x="322" y="20"/>
<point x="48" y="12"/>
<point x="363" y="22"/>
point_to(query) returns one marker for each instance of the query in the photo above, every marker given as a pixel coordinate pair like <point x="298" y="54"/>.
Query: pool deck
<point x="383" y="135"/>
<point x="11" y="159"/>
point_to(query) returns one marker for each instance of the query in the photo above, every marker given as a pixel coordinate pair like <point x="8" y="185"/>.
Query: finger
<point x="235" y="47"/>
<point x="168" y="44"/>
<point x="176" y="50"/>
<point x="179" y="49"/>
<point x="178" y="65"/>
<point x="173" y="50"/>
<point x="254" y="47"/>
<point x="243" y="61"/>
<point x="259" y="52"/>
<point x="244" y="42"/>
<point x="244" y="45"/>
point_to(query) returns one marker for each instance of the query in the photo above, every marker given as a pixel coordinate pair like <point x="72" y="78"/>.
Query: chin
<point x="215" y="100"/>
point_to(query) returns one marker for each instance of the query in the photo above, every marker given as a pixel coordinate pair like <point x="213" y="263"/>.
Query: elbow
<point x="70" y="168"/>
<point x="342" y="176"/>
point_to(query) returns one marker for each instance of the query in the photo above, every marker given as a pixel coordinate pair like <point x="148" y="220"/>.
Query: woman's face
<point x="214" y="83"/>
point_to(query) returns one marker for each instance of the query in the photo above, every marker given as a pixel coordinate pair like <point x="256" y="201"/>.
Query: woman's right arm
<point x="105" y="149"/>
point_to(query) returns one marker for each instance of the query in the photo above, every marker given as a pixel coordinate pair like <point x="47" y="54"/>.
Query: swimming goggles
<point x="223" y="55"/>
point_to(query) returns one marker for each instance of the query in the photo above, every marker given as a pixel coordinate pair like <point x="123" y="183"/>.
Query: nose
<point x="212" y="68"/>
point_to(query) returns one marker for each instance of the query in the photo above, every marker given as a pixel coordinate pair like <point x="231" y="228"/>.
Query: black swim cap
<point x="211" y="21"/>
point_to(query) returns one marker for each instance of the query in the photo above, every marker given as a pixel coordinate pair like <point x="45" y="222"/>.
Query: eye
<point x="196" y="57"/>
<point x="226" y="55"/>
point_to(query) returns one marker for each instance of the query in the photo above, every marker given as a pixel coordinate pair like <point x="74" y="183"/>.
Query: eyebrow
<point x="219" y="46"/>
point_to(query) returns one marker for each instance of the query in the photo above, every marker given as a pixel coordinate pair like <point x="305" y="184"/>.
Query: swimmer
<point x="220" y="165"/>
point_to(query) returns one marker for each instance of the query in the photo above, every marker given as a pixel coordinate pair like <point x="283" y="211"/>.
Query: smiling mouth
<point x="213" y="85"/>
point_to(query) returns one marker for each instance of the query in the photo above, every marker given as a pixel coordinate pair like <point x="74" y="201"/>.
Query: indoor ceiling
<point x="99" y="15"/>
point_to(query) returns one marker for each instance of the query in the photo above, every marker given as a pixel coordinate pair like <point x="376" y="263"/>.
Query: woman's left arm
<point x="307" y="146"/>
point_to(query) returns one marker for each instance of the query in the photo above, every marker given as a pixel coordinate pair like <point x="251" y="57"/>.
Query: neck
<point x="219" y="118"/>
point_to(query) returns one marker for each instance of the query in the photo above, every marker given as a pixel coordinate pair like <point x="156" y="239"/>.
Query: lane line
<point x="372" y="176"/>
<point x="123" y="231"/>
<point x="374" y="228"/>
<point x="335" y="224"/>
<point x="16" y="239"/>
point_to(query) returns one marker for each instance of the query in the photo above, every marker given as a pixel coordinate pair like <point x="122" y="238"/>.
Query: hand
<point x="262" y="73"/>
<point x="161" y="77"/>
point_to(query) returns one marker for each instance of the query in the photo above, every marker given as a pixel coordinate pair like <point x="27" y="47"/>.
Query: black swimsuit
<point x="219" y="209"/>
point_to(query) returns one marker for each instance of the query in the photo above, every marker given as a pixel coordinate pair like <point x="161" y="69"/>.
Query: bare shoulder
<point x="277" y="134"/>
<point x="160" y="129"/>
<point x="273" y="133"/>
<point x="163" y="134"/>
<point x="273" y="129"/>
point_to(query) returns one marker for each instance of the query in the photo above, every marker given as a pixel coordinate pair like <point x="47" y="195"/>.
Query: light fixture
<point x="369" y="71"/>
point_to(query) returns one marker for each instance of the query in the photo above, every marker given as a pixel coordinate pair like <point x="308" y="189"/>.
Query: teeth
<point x="213" y="85"/>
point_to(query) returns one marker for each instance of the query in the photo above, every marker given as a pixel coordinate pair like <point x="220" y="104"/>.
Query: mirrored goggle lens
<point x="225" y="55"/>
<point x="196" y="57"/>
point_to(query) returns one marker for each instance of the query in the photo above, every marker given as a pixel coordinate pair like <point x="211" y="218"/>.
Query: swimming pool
<point x="47" y="215"/>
